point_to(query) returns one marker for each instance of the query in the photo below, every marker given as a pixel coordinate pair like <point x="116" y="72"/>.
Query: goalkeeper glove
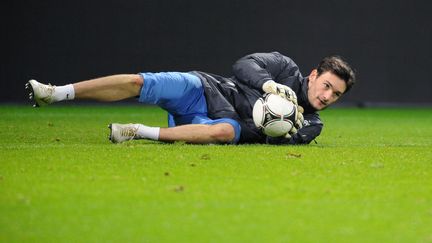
<point x="298" y="122"/>
<point x="281" y="90"/>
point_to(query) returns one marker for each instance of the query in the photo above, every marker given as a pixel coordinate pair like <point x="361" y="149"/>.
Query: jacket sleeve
<point x="255" y="69"/>
<point x="311" y="129"/>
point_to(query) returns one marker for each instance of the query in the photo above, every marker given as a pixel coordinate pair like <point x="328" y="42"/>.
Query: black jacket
<point x="234" y="97"/>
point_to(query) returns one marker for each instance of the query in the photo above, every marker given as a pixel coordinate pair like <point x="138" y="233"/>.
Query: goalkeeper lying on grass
<point x="207" y="108"/>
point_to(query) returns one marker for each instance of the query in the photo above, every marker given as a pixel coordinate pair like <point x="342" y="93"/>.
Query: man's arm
<point x="311" y="129"/>
<point x="255" y="69"/>
<point x="198" y="133"/>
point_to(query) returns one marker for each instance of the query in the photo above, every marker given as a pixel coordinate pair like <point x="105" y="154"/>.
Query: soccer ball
<point x="274" y="115"/>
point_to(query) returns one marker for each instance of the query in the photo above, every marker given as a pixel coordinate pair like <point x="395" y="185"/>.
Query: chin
<point x="319" y="107"/>
<point x="316" y="104"/>
<point x="323" y="108"/>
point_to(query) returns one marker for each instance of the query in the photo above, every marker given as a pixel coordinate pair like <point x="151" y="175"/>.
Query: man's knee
<point x="222" y="132"/>
<point x="135" y="83"/>
<point x="136" y="79"/>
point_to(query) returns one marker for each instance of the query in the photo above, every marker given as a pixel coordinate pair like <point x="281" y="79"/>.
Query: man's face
<point x="325" y="89"/>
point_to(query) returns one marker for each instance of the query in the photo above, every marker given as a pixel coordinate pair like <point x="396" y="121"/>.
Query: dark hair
<point x="339" y="67"/>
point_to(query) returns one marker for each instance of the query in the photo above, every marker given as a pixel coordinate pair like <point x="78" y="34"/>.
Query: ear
<point x="313" y="75"/>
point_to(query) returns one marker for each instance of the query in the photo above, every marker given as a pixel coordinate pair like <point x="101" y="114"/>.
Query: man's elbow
<point x="307" y="134"/>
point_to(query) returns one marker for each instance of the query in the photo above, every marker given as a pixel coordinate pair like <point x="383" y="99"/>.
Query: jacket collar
<point x="303" y="99"/>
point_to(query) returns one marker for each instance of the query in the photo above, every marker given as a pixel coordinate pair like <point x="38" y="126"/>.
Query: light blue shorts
<point x="182" y="95"/>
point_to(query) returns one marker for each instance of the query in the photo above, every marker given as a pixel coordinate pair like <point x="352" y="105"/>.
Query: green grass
<point x="367" y="179"/>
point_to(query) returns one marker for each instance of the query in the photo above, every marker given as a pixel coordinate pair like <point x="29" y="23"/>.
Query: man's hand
<point x="281" y="90"/>
<point x="298" y="122"/>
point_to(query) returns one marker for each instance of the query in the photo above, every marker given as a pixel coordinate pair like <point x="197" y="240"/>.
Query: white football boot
<point x="122" y="132"/>
<point x="41" y="94"/>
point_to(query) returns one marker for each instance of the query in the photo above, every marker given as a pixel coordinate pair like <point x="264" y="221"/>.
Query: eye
<point x="326" y="85"/>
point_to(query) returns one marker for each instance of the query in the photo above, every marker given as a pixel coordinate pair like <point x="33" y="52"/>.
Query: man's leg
<point x="192" y="133"/>
<point x="110" y="88"/>
<point x="199" y="133"/>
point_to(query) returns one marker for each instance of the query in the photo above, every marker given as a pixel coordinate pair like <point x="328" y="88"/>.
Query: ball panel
<point x="279" y="106"/>
<point x="258" y="112"/>
<point x="277" y="128"/>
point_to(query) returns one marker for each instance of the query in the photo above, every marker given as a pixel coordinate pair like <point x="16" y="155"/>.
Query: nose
<point x="326" y="96"/>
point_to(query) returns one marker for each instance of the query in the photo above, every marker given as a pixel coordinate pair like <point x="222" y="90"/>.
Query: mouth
<point x="323" y="103"/>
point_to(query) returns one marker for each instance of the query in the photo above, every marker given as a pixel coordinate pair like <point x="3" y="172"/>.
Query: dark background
<point x="388" y="42"/>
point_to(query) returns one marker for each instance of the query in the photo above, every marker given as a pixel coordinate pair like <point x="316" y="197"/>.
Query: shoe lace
<point x="129" y="132"/>
<point x="49" y="91"/>
<point x="49" y="88"/>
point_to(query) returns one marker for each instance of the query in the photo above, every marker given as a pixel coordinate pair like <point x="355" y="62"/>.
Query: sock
<point x="145" y="132"/>
<point x="65" y="92"/>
